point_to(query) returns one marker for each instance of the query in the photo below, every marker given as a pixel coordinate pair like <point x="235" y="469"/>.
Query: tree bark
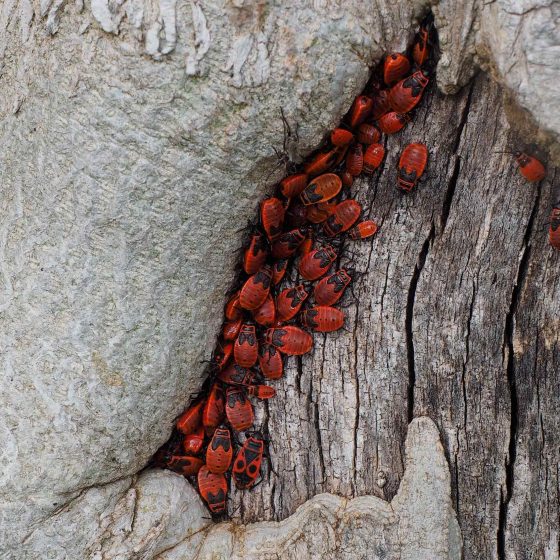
<point x="455" y="317"/>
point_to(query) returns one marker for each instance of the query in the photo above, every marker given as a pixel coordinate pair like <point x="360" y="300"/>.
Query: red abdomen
<point x="290" y="340"/>
<point x="411" y="165"/>
<point x="344" y="216"/>
<point x="213" y="488"/>
<point x="323" y="318"/>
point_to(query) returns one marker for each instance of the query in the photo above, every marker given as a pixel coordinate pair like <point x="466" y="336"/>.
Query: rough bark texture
<point x="128" y="164"/>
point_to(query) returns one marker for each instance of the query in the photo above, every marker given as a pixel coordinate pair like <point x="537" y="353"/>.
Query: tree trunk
<point x="455" y="317"/>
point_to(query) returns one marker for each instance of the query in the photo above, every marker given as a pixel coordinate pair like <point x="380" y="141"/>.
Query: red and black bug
<point x="404" y="96"/>
<point x="231" y="329"/>
<point x="183" y="464"/>
<point x="554" y="228"/>
<point x="261" y="391"/>
<point x="321" y="189"/>
<point x="346" y="178"/>
<point x="279" y="270"/>
<point x="355" y="160"/>
<point x="317" y="262"/>
<point x="411" y="165"/>
<point x="380" y="104"/>
<point x="255" y="255"/>
<point x="368" y="134"/>
<point x="213" y="411"/>
<point x="344" y="217"/>
<point x="213" y="489"/>
<point x="287" y="243"/>
<point x="290" y="340"/>
<point x="395" y="68"/>
<point x="318" y="213"/>
<point x="330" y="289"/>
<point x="531" y="168"/>
<point x="192" y="443"/>
<point x="363" y="230"/>
<point x="272" y="217"/>
<point x="295" y="215"/>
<point x="219" y="452"/>
<point x="373" y="157"/>
<point x="189" y="421"/>
<point x="322" y="318"/>
<point x="256" y="289"/>
<point x="270" y="361"/>
<point x="360" y="111"/>
<point x="246" y="350"/>
<point x="236" y="375"/>
<point x="232" y="310"/>
<point x="307" y="246"/>
<point x="289" y="302"/>
<point x="239" y="410"/>
<point x="247" y="464"/>
<point x="392" y="122"/>
<point x="421" y="50"/>
<point x="341" y="137"/>
<point x="223" y="354"/>
<point x="323" y="161"/>
<point x="293" y="184"/>
<point x="265" y="315"/>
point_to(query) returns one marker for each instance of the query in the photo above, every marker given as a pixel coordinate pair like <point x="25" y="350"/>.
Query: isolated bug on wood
<point x="554" y="228"/>
<point x="256" y="289"/>
<point x="344" y="217"/>
<point x="360" y="111"/>
<point x="189" y="421"/>
<point x="245" y="350"/>
<point x="330" y="289"/>
<point x="368" y="134"/>
<point x="193" y="442"/>
<point x="363" y="230"/>
<point x="247" y="464"/>
<point x="213" y="411"/>
<point x="219" y="452"/>
<point x="265" y="315"/>
<point x="404" y="96"/>
<point x="272" y="217"/>
<point x="395" y="68"/>
<point x="531" y="168"/>
<point x="287" y="243"/>
<point x="289" y="302"/>
<point x="411" y="165"/>
<point x="317" y="262"/>
<point x="323" y="318"/>
<point x="255" y="255"/>
<point x="355" y="160"/>
<point x="392" y="122"/>
<point x="213" y="489"/>
<point x="373" y="157"/>
<point x="290" y="340"/>
<point x="270" y="361"/>
<point x="239" y="410"/>
<point x="341" y="137"/>
<point x="321" y="189"/>
<point x="183" y="464"/>
<point x="293" y="184"/>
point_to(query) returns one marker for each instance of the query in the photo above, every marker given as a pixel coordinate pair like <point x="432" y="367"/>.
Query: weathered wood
<point x="456" y="318"/>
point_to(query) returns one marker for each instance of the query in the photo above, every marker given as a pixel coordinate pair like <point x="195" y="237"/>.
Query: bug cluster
<point x="270" y="316"/>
